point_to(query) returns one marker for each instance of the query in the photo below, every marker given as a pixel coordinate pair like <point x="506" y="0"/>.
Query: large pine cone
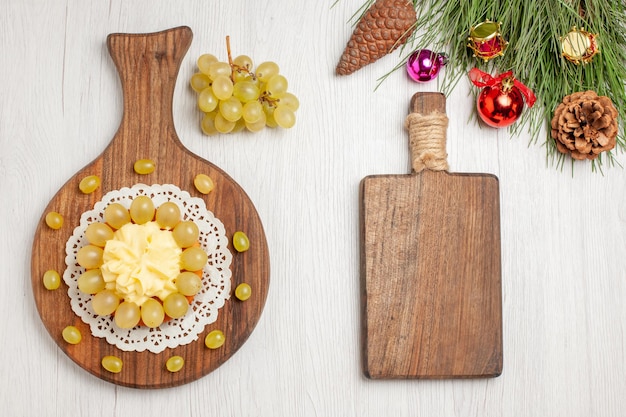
<point x="584" y="125"/>
<point x="386" y="25"/>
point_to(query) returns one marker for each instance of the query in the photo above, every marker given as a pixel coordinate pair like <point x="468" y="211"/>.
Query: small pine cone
<point x="386" y="25"/>
<point x="584" y="125"/>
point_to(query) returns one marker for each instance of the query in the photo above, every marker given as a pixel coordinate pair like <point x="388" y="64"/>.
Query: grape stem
<point x="234" y="67"/>
<point x="269" y="100"/>
<point x="265" y="97"/>
<point x="230" y="58"/>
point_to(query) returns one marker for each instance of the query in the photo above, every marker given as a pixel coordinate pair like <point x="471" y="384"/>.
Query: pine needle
<point x="533" y="29"/>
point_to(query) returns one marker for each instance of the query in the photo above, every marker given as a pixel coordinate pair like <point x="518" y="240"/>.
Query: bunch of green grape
<point x="234" y="96"/>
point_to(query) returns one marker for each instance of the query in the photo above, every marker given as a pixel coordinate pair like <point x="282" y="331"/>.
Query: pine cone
<point x="386" y="25"/>
<point x="584" y="125"/>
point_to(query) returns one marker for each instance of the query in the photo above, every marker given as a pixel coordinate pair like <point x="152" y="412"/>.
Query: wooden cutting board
<point x="430" y="271"/>
<point x="148" y="65"/>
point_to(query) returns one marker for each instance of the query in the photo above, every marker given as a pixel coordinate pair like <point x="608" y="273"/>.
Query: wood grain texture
<point x="148" y="65"/>
<point x="431" y="272"/>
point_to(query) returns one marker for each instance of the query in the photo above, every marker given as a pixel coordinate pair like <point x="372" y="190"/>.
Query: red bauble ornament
<point x="501" y="101"/>
<point x="500" y="105"/>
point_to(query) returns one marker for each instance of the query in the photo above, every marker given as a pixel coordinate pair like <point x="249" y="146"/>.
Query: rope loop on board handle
<point x="427" y="141"/>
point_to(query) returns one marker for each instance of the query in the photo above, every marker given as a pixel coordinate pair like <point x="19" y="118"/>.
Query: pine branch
<point x="533" y="29"/>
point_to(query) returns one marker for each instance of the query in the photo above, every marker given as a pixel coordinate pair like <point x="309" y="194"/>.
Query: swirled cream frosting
<point x="141" y="262"/>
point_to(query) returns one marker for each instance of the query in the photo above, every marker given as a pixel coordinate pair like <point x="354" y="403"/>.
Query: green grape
<point x="222" y="125"/>
<point x="112" y="364"/>
<point x="269" y="115"/>
<point x="276" y="86"/>
<point x="186" y="233"/>
<point x="222" y="87"/>
<point x="204" y="61"/>
<point x="241" y="75"/>
<point x="199" y="82"/>
<point x="290" y="101"/>
<point x="266" y="70"/>
<point x="152" y="313"/>
<point x="252" y="112"/>
<point x="98" y="233"/>
<point x="258" y="125"/>
<point x="168" y="215"/>
<point x="89" y="256"/>
<point x="231" y="109"/>
<point x="89" y="184"/>
<point x="175" y="363"/>
<point x="72" y="335"/>
<point x="54" y="220"/>
<point x="207" y="102"/>
<point x="241" y="243"/>
<point x="246" y="91"/>
<point x="214" y="339"/>
<point x="175" y="305"/>
<point x="193" y="259"/>
<point x="51" y="280"/>
<point x="239" y="126"/>
<point x="208" y="124"/>
<point x="218" y="69"/>
<point x="127" y="315"/>
<point x="142" y="209"/>
<point x="105" y="302"/>
<point x="91" y="281"/>
<point x="144" y="166"/>
<point x="284" y="116"/>
<point x="243" y="61"/>
<point x="203" y="183"/>
<point x="188" y="283"/>
<point x="243" y="291"/>
<point x="116" y="215"/>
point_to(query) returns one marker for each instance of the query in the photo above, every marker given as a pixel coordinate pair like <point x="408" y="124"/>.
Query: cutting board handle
<point x="427" y="124"/>
<point x="148" y="65"/>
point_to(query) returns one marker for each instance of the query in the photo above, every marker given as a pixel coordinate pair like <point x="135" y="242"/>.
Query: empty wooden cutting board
<point x="430" y="265"/>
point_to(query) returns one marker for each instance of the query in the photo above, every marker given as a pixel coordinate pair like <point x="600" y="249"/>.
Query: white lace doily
<point x="203" y="310"/>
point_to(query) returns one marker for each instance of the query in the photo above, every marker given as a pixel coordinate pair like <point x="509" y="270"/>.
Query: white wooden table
<point x="563" y="236"/>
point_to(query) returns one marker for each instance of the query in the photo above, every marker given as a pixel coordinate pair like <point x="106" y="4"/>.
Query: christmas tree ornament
<point x="501" y="100"/>
<point x="537" y="53"/>
<point x="584" y="125"/>
<point x="579" y="46"/>
<point x="486" y="40"/>
<point x="423" y="65"/>
<point x="385" y="26"/>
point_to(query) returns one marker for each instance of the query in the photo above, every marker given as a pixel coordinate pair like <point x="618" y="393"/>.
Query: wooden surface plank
<point x="563" y="244"/>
